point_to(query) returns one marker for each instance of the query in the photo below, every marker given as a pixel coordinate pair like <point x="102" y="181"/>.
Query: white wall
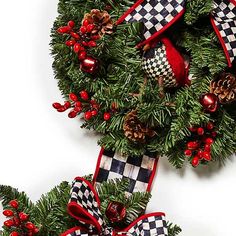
<point x="39" y="147"/>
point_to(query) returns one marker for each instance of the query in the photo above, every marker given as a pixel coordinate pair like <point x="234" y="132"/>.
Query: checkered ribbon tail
<point x="84" y="205"/>
<point x="156" y="16"/>
<point x="139" y="170"/>
<point x="224" y="23"/>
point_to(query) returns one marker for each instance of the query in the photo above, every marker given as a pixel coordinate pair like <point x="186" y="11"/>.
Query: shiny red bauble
<point x="8" y="213"/>
<point x="89" y="65"/>
<point x="210" y="102"/>
<point x="87" y="115"/>
<point x="106" y="116"/>
<point x="14" y="204"/>
<point x="84" y="95"/>
<point x="115" y="212"/>
<point x="200" y="131"/>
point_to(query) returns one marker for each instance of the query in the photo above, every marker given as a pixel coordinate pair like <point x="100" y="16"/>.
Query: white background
<point x="40" y="147"/>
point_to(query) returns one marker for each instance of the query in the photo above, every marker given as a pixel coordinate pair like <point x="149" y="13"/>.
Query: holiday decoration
<point x="224" y="87"/>
<point x="134" y="130"/>
<point x="163" y="62"/>
<point x="115" y="212"/>
<point x="155" y="58"/>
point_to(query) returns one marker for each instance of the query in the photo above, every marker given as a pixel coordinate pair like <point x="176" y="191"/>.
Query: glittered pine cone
<point x="224" y="87"/>
<point x="135" y="130"/>
<point x="101" y="20"/>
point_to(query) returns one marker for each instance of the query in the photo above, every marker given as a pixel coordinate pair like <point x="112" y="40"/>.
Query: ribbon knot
<point x="84" y="205"/>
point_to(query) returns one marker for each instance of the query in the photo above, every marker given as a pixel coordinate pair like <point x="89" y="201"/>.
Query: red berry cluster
<point x="80" y="39"/>
<point x="18" y="221"/>
<point x="89" y="107"/>
<point x="200" y="148"/>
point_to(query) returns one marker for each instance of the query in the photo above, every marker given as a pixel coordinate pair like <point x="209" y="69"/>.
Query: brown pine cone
<point x="135" y="130"/>
<point x="224" y="87"/>
<point x="101" y="20"/>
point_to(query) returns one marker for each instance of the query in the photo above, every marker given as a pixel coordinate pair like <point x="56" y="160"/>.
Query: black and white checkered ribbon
<point x="84" y="205"/>
<point x="159" y="15"/>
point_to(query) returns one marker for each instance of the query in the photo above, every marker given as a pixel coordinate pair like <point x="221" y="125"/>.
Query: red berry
<point x="72" y="114"/>
<point x="94" y="112"/>
<point x="78" y="104"/>
<point x="92" y="44"/>
<point x="95" y="37"/>
<point x="61" y="109"/>
<point x="30" y="226"/>
<point x="67" y="105"/>
<point x="85" y="22"/>
<point x="14" y="233"/>
<point x="82" y="55"/>
<point x="14" y="204"/>
<point x="206" y="156"/>
<point x="200" y="131"/>
<point x="87" y="115"/>
<point x="71" y="24"/>
<point x="192" y="145"/>
<point x="8" y="213"/>
<point x="209" y="141"/>
<point x="36" y="230"/>
<point x="84" y="95"/>
<point x="107" y="116"/>
<point x="83" y="29"/>
<point x="210" y="126"/>
<point x="77" y="47"/>
<point x="214" y="134"/>
<point x="90" y="27"/>
<point x="23" y="216"/>
<point x="78" y="109"/>
<point x="195" y="161"/>
<point x="74" y="35"/>
<point x="84" y="43"/>
<point x="16" y="221"/>
<point x="199" y="154"/>
<point x="207" y="147"/>
<point x="9" y="223"/>
<point x="188" y="153"/>
<point x="56" y="105"/>
<point x="73" y="97"/>
<point x="70" y="43"/>
<point x="63" y="30"/>
<point x="192" y="129"/>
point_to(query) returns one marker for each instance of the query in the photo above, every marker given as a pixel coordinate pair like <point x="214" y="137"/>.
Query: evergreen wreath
<point x="173" y="95"/>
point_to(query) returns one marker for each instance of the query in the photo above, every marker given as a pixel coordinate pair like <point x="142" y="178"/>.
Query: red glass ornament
<point x="192" y="145"/>
<point x="210" y="102"/>
<point x="188" y="153"/>
<point x="87" y="115"/>
<point x="73" y="97"/>
<point x="89" y="65"/>
<point x="106" y="116"/>
<point x="195" y="161"/>
<point x="14" y="204"/>
<point x="14" y="233"/>
<point x="84" y="95"/>
<point x="206" y="156"/>
<point x="30" y="226"/>
<point x="9" y="223"/>
<point x="71" y="24"/>
<point x="200" y="131"/>
<point x="56" y="105"/>
<point x="23" y="216"/>
<point x="8" y="213"/>
<point x="115" y="212"/>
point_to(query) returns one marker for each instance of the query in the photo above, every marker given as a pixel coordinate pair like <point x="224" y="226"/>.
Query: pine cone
<point x="224" y="87"/>
<point x="134" y="130"/>
<point x="101" y="20"/>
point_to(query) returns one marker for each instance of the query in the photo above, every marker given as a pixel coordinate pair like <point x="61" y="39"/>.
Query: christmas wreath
<point x="150" y="75"/>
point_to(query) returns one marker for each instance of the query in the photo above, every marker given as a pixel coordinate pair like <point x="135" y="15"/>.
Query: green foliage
<point x="122" y="81"/>
<point x="173" y="230"/>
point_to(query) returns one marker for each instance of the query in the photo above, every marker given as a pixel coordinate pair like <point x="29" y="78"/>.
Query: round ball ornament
<point x="115" y="212"/>
<point x="89" y="65"/>
<point x="210" y="102"/>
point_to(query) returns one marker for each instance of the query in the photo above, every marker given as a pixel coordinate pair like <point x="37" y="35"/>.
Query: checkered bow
<point x="84" y="205"/>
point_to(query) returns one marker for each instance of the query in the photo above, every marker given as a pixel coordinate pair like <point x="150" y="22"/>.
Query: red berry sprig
<point x="90" y="108"/>
<point x="199" y="149"/>
<point x="18" y="221"/>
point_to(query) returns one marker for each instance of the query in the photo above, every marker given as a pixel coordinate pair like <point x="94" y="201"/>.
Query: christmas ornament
<point x="163" y="62"/>
<point x="101" y="20"/>
<point x="209" y="101"/>
<point x="224" y="87"/>
<point x="14" y="204"/>
<point x="89" y="65"/>
<point x="107" y="116"/>
<point x="115" y="212"/>
<point x="135" y="130"/>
